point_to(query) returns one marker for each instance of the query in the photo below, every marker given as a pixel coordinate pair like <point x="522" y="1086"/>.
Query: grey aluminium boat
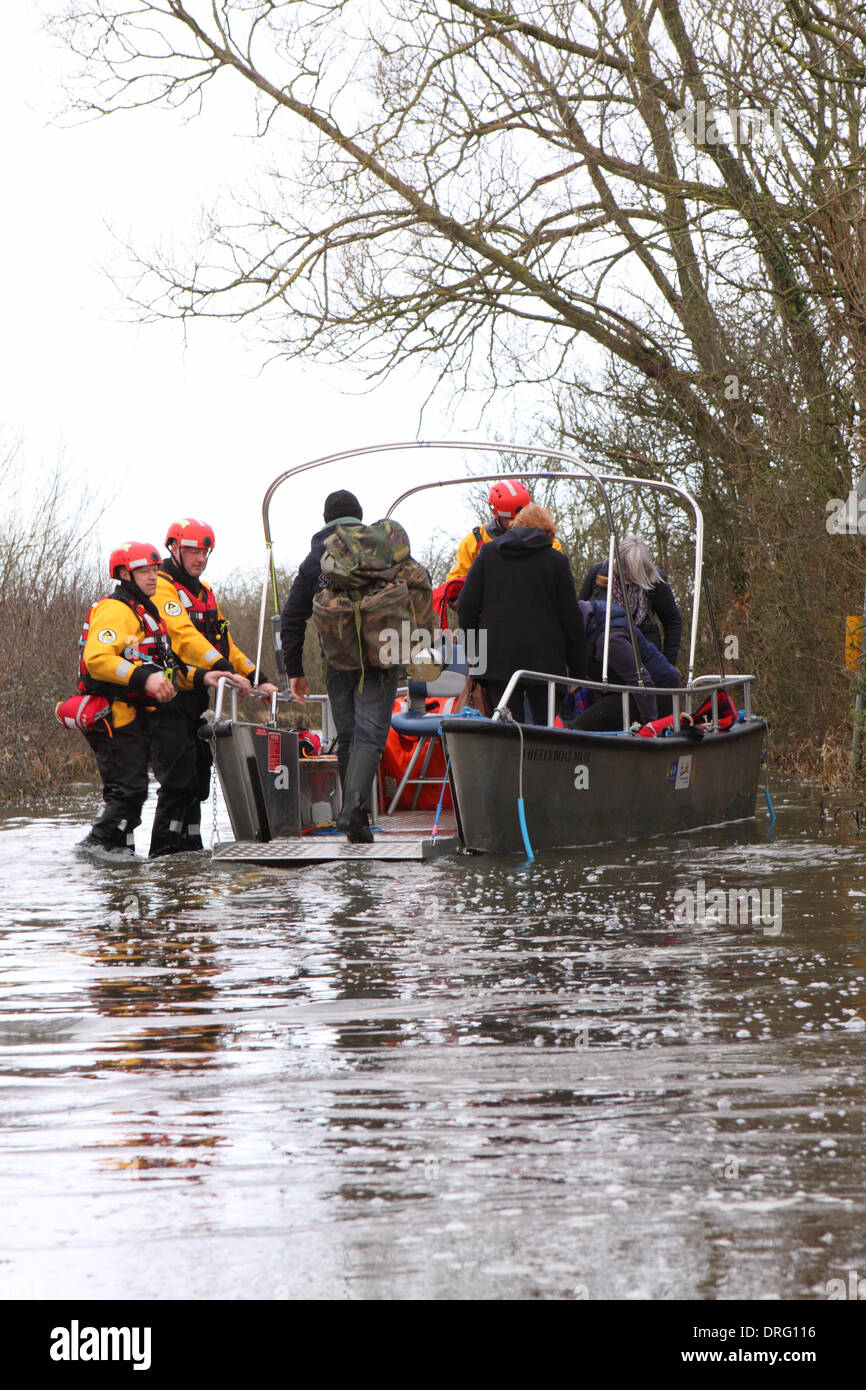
<point x="580" y="788"/>
<point x="515" y="788"/>
<point x="528" y="787"/>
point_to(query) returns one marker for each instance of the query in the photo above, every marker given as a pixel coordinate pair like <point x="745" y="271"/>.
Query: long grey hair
<point x="636" y="562"/>
<point x="639" y="573"/>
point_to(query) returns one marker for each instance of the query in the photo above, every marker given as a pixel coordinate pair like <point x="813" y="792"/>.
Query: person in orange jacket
<point x="129" y="658"/>
<point x="183" y="596"/>
<point x="506" y="499"/>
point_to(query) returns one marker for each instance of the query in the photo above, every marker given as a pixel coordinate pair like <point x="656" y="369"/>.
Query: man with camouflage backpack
<point x="360" y="583"/>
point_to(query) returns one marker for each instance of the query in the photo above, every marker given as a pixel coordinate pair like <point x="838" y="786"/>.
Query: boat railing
<point x="279" y="697"/>
<point x="682" y="697"/>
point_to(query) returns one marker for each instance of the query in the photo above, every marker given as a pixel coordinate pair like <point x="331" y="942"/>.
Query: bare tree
<point x="653" y="209"/>
<point x="49" y="576"/>
<point x="560" y="168"/>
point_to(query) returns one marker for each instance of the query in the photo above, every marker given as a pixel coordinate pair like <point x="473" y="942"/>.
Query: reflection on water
<point x="473" y="1078"/>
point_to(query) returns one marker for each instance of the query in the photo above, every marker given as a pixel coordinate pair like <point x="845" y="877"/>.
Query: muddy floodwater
<point x="474" y="1078"/>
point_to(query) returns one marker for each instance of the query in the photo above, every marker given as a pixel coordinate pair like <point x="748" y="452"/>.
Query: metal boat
<point x="515" y="788"/>
<point x="282" y="806"/>
<point x="585" y="788"/>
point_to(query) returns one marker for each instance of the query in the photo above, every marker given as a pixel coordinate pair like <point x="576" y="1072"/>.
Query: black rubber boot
<point x="353" y="818"/>
<point x="108" y="849"/>
<point x="169" y="842"/>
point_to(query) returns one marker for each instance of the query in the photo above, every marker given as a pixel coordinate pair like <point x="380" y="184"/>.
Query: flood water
<point x="474" y="1078"/>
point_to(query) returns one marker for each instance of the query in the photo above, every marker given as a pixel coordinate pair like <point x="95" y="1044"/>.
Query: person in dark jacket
<point x="361" y="708"/>
<point x="650" y="596"/>
<point x="519" y="596"/>
<point x="604" y="712"/>
<point x="341" y="508"/>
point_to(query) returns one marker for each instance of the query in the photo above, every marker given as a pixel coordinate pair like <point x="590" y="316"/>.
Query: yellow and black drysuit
<point x="125" y="642"/>
<point x="470" y="545"/>
<point x="181" y="600"/>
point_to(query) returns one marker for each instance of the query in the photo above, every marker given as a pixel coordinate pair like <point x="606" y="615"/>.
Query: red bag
<point x="445" y="596"/>
<point x="85" y="712"/>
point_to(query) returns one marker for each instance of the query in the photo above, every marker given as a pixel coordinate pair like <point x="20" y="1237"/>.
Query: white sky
<point x="158" y="426"/>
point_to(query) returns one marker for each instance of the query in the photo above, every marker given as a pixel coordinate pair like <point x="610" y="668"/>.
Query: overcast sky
<point x="158" y="425"/>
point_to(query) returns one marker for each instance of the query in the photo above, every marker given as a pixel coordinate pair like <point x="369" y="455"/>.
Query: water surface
<point x="474" y="1078"/>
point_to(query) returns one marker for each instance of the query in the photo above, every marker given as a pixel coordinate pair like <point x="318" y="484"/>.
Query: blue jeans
<point x="362" y="717"/>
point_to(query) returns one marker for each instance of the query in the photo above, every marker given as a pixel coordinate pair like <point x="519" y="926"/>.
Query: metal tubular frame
<point x="580" y="472"/>
<point x="583" y="474"/>
<point x="328" y="728"/>
<point x="701" y="685"/>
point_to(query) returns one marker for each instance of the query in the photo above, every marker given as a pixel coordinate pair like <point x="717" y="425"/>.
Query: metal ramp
<point x="405" y="836"/>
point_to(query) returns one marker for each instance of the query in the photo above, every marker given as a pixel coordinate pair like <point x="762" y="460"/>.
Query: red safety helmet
<point x="134" y="555"/>
<point x="189" y="532"/>
<point x="507" y="497"/>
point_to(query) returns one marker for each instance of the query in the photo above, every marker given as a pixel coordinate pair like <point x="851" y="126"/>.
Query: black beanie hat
<point x="342" y="504"/>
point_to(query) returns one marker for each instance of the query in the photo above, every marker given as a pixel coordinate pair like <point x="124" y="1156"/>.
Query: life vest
<point x="395" y="759"/>
<point x="153" y="647"/>
<point x="702" y="719"/>
<point x="203" y="610"/>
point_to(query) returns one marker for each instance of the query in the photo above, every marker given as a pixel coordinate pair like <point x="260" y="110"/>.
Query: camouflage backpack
<point x="371" y="588"/>
<point x="355" y="557"/>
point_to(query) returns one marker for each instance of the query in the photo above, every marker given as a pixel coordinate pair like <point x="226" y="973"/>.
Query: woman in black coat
<point x="651" y="598"/>
<point x="519" y="596"/>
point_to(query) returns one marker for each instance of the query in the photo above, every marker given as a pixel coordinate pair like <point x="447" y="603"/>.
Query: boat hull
<point x="583" y="789"/>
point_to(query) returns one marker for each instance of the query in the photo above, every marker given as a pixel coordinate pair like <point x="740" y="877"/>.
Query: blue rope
<point x="521" y="810"/>
<point x="521" y="816"/>
<point x="767" y="797"/>
<point x="442" y="792"/>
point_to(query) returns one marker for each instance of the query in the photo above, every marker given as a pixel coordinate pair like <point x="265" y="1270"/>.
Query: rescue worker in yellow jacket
<point x="183" y="597"/>
<point x="506" y="499"/>
<point x="129" y="658"/>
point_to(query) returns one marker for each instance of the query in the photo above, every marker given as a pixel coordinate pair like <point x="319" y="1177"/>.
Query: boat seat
<point x="450" y="681"/>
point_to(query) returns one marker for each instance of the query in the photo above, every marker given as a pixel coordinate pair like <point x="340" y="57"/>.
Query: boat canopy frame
<point x="579" y="472"/>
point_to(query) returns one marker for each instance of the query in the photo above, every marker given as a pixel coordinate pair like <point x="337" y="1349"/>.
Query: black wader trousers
<point x="188" y="772"/>
<point x="122" y="759"/>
